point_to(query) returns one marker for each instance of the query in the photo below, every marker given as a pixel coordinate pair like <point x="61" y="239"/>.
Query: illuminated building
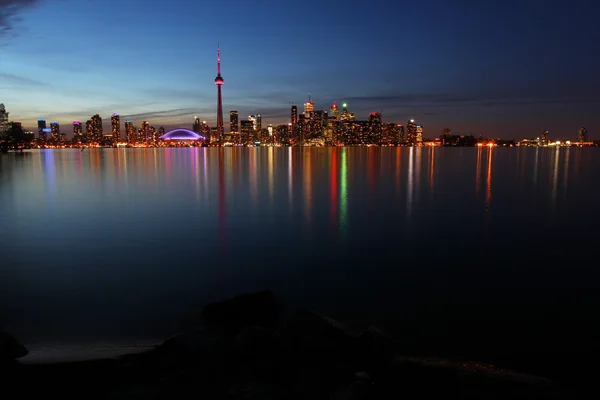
<point x="96" y="133"/>
<point x="234" y="127"/>
<point x="42" y="129"/>
<point x="335" y="113"/>
<point x="89" y="130"/>
<point x="219" y="83"/>
<point x="77" y="134"/>
<point x="375" y="117"/>
<point x="116" y="128"/>
<point x="246" y="131"/>
<point x="411" y="132"/>
<point x="294" y="116"/>
<point x="145" y="131"/>
<point x="256" y="120"/>
<point x="419" y="132"/>
<point x="205" y="131"/>
<point x="196" y="127"/>
<point x="544" y="139"/>
<point x="345" y="115"/>
<point x="582" y="135"/>
<point x="161" y="131"/>
<point x="309" y="107"/>
<point x="129" y="132"/>
<point x="55" y="129"/>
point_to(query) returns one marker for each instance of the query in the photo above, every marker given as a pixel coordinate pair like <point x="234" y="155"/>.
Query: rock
<point x="257" y="343"/>
<point x="10" y="348"/>
<point x="377" y="348"/>
<point x="187" y="349"/>
<point x="315" y="337"/>
<point x="254" y="309"/>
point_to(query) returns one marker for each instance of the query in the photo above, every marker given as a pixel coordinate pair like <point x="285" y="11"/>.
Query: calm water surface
<point x="454" y="248"/>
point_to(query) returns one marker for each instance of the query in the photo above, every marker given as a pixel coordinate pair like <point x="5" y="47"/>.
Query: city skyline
<point x="472" y="67"/>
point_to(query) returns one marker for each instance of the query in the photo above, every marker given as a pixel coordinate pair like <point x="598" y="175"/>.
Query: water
<point x="458" y="250"/>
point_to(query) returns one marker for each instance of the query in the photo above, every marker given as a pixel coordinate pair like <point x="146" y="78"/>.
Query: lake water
<point x="457" y="250"/>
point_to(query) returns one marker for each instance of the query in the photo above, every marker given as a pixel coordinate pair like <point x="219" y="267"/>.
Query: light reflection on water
<point x="130" y="241"/>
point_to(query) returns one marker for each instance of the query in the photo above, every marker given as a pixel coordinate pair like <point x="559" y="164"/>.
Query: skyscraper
<point x="55" y="129"/>
<point x="219" y="83"/>
<point x="129" y="132"/>
<point x="96" y="128"/>
<point x="309" y="107"/>
<point x="89" y="130"/>
<point x="42" y="129"/>
<point x="77" y="130"/>
<point x="197" y="123"/>
<point x="145" y="131"/>
<point x="411" y="132"/>
<point x="116" y="128"/>
<point x="294" y="117"/>
<point x="233" y="122"/>
<point x="582" y="135"/>
<point x="545" y="139"/>
<point x="334" y="112"/>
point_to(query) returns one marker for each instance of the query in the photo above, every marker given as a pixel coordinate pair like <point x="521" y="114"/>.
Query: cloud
<point x="488" y="100"/>
<point x="20" y="80"/>
<point x="9" y="13"/>
<point x="177" y="112"/>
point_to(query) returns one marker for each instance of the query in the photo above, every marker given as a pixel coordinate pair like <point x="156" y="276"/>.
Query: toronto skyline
<point x="478" y="68"/>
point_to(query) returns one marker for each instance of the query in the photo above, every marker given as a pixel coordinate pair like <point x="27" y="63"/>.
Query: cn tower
<point x="219" y="83"/>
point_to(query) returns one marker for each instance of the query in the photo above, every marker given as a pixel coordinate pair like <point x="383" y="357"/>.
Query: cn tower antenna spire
<point x="218" y="58"/>
<point x="219" y="83"/>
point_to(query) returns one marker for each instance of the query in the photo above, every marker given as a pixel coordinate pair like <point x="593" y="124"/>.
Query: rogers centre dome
<point x="180" y="135"/>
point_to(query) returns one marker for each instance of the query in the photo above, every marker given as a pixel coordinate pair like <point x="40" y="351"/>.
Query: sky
<point x="507" y="69"/>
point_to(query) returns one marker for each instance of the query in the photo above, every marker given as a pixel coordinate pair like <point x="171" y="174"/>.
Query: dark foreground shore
<point x="244" y="349"/>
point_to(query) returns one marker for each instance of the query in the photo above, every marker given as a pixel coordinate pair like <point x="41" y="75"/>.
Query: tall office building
<point x="116" y="128"/>
<point x="544" y="139"/>
<point x="294" y="116"/>
<point x="42" y="129"/>
<point x="582" y="135"/>
<point x="246" y="131"/>
<point x="233" y="122"/>
<point x="161" y="131"/>
<point x="411" y="132"/>
<point x="77" y="134"/>
<point x="96" y="128"/>
<point x="256" y="121"/>
<point x="334" y="112"/>
<point x="55" y="129"/>
<point x="145" y="131"/>
<point x="129" y="132"/>
<point x="196" y="127"/>
<point x="345" y="115"/>
<point x="89" y="131"/>
<point x="419" y="138"/>
<point x="309" y="107"/>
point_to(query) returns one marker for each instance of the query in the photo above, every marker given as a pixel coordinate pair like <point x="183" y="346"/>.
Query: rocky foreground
<point x="243" y="349"/>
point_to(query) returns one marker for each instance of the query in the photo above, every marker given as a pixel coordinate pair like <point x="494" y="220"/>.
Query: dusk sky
<point x="509" y="69"/>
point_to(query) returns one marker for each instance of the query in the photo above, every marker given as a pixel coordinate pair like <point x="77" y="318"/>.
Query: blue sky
<point x="508" y="68"/>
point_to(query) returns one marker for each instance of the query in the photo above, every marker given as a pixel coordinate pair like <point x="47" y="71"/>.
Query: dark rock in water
<point x="313" y="336"/>
<point x="10" y="348"/>
<point x="187" y="349"/>
<point x="257" y="343"/>
<point x="376" y="347"/>
<point x="253" y="309"/>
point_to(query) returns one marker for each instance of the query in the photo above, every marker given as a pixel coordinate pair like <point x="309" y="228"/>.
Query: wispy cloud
<point x="13" y="79"/>
<point x="177" y="112"/>
<point x="441" y="100"/>
<point x="9" y="13"/>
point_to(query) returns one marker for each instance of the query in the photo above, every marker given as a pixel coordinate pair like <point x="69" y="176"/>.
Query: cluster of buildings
<point x="333" y="127"/>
